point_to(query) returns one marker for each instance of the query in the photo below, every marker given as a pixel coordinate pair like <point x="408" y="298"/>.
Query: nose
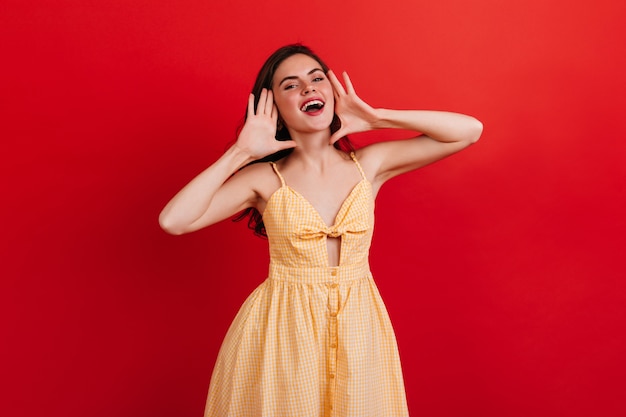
<point x="308" y="89"/>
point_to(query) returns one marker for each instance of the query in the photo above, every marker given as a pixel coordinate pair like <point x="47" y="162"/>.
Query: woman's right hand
<point x="258" y="135"/>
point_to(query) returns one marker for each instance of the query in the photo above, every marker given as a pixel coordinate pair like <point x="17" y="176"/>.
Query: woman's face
<point x="303" y="95"/>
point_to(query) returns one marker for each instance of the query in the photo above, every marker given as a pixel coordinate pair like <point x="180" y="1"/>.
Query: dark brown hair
<point x="264" y="80"/>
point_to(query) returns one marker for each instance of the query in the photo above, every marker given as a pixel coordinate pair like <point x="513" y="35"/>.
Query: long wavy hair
<point x="264" y="80"/>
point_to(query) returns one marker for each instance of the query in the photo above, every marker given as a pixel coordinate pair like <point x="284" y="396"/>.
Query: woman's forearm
<point x="193" y="201"/>
<point x="439" y="125"/>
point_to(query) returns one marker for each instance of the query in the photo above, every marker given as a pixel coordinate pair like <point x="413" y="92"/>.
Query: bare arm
<point x="207" y="199"/>
<point x="212" y="196"/>
<point x="443" y="133"/>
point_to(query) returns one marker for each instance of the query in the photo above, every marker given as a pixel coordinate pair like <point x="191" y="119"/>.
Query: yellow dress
<point x="312" y="340"/>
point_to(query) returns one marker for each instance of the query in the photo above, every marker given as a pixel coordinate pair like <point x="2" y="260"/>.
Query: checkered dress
<point x="312" y="340"/>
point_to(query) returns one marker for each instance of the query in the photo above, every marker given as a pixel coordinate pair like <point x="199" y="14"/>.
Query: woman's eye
<point x="318" y="79"/>
<point x="290" y="86"/>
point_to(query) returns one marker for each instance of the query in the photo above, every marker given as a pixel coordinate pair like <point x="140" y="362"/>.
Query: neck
<point x="314" y="149"/>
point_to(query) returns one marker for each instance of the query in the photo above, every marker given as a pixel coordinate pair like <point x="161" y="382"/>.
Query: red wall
<point x="502" y="267"/>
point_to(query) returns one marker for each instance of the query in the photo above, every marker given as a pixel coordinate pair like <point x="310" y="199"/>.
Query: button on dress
<point x="312" y="340"/>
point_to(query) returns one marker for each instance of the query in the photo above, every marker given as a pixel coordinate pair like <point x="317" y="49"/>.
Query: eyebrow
<point x="295" y="77"/>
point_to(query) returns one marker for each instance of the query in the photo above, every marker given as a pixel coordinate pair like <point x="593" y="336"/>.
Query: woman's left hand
<point x="355" y="114"/>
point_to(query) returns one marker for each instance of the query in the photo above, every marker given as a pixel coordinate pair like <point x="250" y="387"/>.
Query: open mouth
<point x="311" y="106"/>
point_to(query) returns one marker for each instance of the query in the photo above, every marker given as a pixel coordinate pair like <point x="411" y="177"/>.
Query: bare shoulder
<point x="261" y="178"/>
<point x="372" y="158"/>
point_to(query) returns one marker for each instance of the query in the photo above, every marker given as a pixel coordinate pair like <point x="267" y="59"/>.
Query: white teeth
<point x="312" y="103"/>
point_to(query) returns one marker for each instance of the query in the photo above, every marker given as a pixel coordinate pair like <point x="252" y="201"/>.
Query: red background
<point x="502" y="267"/>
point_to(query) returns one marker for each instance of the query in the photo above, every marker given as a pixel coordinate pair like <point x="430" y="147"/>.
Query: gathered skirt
<point x="310" y="343"/>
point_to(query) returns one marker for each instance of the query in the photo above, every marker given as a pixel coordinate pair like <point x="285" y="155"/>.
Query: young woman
<point x="314" y="339"/>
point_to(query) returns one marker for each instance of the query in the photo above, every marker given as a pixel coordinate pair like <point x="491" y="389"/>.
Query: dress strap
<point x="353" y="156"/>
<point x="275" y="168"/>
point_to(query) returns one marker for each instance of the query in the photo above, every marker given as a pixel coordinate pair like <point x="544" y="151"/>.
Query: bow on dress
<point x="308" y="232"/>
